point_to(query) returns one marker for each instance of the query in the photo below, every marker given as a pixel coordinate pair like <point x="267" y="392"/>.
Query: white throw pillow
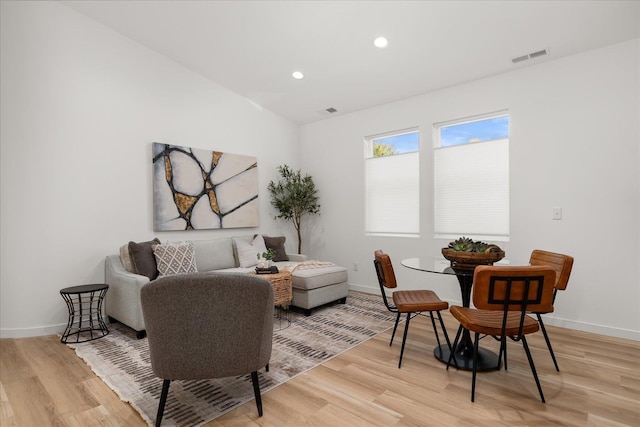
<point x="175" y="258"/>
<point x="248" y="252"/>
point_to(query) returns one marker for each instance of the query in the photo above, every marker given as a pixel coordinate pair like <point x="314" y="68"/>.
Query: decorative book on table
<point x="271" y="270"/>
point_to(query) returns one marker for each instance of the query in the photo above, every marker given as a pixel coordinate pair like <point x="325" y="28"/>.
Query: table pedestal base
<point x="487" y="360"/>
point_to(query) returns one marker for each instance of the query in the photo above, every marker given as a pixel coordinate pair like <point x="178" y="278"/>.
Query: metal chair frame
<point x="563" y="272"/>
<point x="546" y="336"/>
<point x="506" y="301"/>
<point x="410" y="315"/>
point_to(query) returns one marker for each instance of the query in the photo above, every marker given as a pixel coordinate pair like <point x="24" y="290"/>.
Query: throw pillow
<point x="142" y="258"/>
<point x="125" y="258"/>
<point x="277" y="244"/>
<point x="248" y="252"/>
<point x="175" y="258"/>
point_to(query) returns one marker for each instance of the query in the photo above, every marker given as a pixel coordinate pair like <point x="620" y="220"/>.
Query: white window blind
<point x="472" y="190"/>
<point x="392" y="195"/>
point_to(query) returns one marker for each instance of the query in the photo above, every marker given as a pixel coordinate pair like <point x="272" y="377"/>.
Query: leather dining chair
<point x="411" y="302"/>
<point x="502" y="296"/>
<point x="203" y="326"/>
<point x="562" y="265"/>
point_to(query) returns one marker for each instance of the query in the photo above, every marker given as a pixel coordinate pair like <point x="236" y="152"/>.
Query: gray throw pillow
<point x="175" y="258"/>
<point x="277" y="244"/>
<point x="142" y="258"/>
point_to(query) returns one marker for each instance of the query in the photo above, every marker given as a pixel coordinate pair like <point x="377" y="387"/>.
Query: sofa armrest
<point x="297" y="257"/>
<point x="123" y="297"/>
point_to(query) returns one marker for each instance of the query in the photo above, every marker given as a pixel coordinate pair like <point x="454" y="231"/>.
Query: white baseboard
<point x="37" y="331"/>
<point x="553" y="321"/>
<point x="364" y="289"/>
<point x="593" y="328"/>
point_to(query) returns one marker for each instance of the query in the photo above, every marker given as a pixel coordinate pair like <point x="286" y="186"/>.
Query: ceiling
<point x="252" y="47"/>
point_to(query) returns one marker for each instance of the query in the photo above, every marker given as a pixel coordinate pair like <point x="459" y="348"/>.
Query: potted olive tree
<point x="294" y="196"/>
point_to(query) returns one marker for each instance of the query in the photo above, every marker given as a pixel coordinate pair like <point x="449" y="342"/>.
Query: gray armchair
<point x="204" y="326"/>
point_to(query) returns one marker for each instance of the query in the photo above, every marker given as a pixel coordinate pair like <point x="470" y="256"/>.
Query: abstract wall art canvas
<point x="195" y="189"/>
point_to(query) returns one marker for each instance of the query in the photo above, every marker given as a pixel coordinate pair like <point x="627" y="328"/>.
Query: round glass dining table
<point x="487" y="360"/>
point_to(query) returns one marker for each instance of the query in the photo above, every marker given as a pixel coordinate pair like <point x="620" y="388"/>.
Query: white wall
<point x="80" y="108"/>
<point x="81" y="105"/>
<point x="574" y="144"/>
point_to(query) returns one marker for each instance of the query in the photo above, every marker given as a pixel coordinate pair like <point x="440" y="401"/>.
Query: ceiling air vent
<point x="520" y="59"/>
<point x="529" y="56"/>
<point x="331" y="110"/>
<point x="538" y="53"/>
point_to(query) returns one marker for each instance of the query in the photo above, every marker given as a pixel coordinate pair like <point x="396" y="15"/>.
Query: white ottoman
<point x="314" y="287"/>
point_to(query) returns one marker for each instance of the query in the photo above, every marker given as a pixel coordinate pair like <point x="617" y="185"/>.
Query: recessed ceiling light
<point x="297" y="75"/>
<point x="380" y="42"/>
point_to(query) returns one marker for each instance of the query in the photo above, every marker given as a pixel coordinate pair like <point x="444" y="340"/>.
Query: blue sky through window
<point x="476" y="131"/>
<point x="406" y="143"/>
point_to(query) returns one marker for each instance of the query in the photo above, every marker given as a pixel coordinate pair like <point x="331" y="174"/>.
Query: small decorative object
<point x="271" y="270"/>
<point x="267" y="259"/>
<point x="465" y="253"/>
<point x="294" y="196"/>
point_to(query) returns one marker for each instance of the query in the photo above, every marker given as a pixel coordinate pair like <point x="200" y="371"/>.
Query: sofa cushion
<point x="214" y="254"/>
<point x="142" y="258"/>
<point x="277" y="244"/>
<point x="175" y="258"/>
<point x="248" y="252"/>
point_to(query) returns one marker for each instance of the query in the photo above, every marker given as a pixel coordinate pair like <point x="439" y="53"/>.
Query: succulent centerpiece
<point x="466" y="253"/>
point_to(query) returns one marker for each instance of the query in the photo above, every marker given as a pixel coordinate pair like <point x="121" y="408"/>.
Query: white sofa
<point x="312" y="287"/>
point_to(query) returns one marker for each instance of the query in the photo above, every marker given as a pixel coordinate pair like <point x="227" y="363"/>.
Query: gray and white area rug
<point x="122" y="361"/>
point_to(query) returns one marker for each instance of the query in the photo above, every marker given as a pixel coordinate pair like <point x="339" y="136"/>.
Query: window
<point x="471" y="178"/>
<point x="392" y="191"/>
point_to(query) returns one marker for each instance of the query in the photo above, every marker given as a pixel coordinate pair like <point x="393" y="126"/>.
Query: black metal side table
<point x="85" y="313"/>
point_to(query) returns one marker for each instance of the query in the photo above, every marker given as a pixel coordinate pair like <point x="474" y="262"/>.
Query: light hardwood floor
<point x="43" y="382"/>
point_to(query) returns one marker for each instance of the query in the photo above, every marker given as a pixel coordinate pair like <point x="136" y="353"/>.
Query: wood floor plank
<point x="43" y="383"/>
<point x="353" y="398"/>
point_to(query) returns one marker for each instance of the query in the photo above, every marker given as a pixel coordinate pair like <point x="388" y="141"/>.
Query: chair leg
<point x="256" y="391"/>
<point x="435" y="330"/>
<point x="452" y="352"/>
<point x="503" y="353"/>
<point x="444" y="330"/>
<point x="546" y="338"/>
<point x="475" y="366"/>
<point x="394" y="329"/>
<point x="163" y="401"/>
<point x="533" y="367"/>
<point x="404" y="338"/>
